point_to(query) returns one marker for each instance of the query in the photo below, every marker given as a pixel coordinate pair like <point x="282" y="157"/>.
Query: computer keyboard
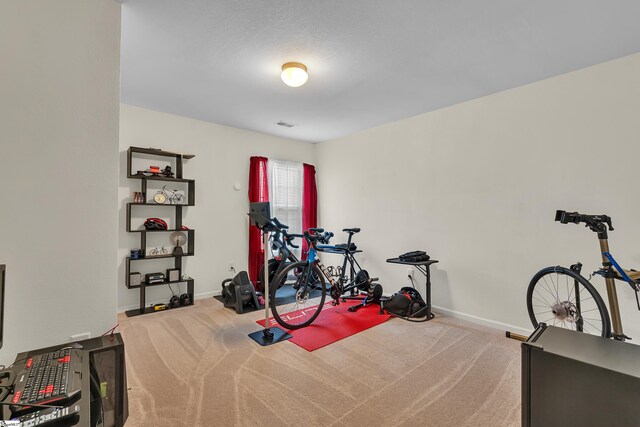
<point x="48" y="379"/>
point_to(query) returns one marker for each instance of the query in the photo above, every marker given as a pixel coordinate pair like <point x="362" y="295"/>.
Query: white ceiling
<point x="370" y="61"/>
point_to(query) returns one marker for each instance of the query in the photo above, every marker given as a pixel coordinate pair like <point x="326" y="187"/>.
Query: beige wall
<point x="59" y="102"/>
<point x="477" y="185"/>
<point x="220" y="214"/>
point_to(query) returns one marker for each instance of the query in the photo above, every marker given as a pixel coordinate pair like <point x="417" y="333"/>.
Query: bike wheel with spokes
<point x="177" y="199"/>
<point x="297" y="295"/>
<point x="561" y="297"/>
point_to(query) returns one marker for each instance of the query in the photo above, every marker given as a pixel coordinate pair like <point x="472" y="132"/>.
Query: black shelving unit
<point x="177" y="226"/>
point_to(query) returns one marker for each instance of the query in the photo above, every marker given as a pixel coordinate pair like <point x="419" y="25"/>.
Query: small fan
<point x="178" y="239"/>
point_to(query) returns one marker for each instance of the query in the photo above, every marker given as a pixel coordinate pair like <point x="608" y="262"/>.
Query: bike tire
<point x="296" y="301"/>
<point x="561" y="297"/>
<point x="362" y="280"/>
<point x="177" y="199"/>
<point x="273" y="268"/>
<point x="160" y="198"/>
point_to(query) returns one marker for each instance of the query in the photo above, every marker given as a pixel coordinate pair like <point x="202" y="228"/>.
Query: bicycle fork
<point x="612" y="293"/>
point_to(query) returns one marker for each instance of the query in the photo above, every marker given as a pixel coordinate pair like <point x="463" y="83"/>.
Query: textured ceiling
<point x="370" y="61"/>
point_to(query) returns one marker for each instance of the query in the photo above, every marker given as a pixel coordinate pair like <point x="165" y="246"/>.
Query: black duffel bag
<point x="406" y="304"/>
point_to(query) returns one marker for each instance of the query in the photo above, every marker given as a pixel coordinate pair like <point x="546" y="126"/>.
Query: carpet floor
<point x="196" y="366"/>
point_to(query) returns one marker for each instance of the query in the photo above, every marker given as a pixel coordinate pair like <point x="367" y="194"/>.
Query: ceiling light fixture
<point x="294" y="74"/>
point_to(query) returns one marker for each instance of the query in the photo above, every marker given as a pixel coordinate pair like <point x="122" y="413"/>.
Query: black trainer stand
<point x="260" y="214"/>
<point x="423" y="267"/>
<point x="373" y="296"/>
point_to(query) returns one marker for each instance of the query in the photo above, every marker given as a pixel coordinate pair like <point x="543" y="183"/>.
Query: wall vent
<point x="285" y="124"/>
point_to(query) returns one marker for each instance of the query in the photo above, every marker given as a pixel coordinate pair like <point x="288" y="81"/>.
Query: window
<point x="286" y="184"/>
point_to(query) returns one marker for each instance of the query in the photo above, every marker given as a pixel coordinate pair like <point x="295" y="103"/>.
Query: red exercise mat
<point x="334" y="323"/>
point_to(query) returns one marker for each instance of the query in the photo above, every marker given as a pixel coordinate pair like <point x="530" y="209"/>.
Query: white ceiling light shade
<point x="294" y="74"/>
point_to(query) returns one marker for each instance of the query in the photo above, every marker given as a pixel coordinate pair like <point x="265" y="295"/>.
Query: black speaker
<point x="185" y="299"/>
<point x="174" y="302"/>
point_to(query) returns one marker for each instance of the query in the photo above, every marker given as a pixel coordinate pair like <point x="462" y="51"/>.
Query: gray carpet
<point x="196" y="366"/>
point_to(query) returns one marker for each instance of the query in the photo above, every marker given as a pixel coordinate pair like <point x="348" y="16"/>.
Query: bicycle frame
<point x="612" y="294"/>
<point x="351" y="260"/>
<point x="337" y="286"/>
<point x="312" y="258"/>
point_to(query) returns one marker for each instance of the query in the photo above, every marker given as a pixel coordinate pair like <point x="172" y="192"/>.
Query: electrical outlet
<point x="80" y="337"/>
<point x="232" y="266"/>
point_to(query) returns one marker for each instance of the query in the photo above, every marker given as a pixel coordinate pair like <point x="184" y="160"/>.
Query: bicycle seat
<point x="351" y="230"/>
<point x="352" y="247"/>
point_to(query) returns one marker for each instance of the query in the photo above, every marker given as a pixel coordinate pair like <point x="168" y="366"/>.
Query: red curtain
<point x="258" y="192"/>
<point x="309" y="203"/>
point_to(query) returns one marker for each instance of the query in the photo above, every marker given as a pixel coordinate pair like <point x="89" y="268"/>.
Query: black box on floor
<point x="572" y="378"/>
<point x="240" y="292"/>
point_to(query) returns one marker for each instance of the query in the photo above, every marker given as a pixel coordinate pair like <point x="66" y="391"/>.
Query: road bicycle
<point x="172" y="196"/>
<point x="562" y="297"/>
<point x="304" y="281"/>
<point x="158" y="251"/>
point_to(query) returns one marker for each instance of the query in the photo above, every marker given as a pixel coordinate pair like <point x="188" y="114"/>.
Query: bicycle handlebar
<point x="281" y="229"/>
<point x="289" y="237"/>
<point x="278" y="224"/>
<point x="594" y="222"/>
<point x="318" y="235"/>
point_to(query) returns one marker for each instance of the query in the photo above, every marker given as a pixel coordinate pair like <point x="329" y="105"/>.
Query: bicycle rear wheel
<point x="273" y="268"/>
<point x="561" y="297"/>
<point x="297" y="295"/>
<point x="177" y="199"/>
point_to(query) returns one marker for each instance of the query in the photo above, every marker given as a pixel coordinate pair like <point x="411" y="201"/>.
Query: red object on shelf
<point x="154" y="169"/>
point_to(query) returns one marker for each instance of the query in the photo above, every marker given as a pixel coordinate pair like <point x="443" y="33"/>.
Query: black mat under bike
<point x="563" y="297"/>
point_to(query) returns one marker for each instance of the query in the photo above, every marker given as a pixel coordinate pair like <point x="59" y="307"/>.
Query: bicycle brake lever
<point x="609" y="224"/>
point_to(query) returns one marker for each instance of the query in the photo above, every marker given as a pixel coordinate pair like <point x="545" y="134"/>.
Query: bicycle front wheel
<point x="297" y="295"/>
<point x="561" y="297"/>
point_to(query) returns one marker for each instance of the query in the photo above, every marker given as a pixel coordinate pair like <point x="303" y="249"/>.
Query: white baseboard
<point x="202" y="295"/>
<point x="445" y="311"/>
<point x="482" y="321"/>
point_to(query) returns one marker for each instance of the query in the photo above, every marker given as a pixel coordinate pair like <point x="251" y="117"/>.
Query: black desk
<point x="571" y="378"/>
<point x="423" y="267"/>
<point x="103" y="400"/>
